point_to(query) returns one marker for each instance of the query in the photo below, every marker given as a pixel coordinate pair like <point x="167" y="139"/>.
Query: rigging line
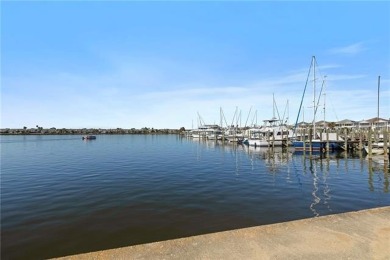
<point x="319" y="96"/>
<point x="239" y="118"/>
<point x="303" y="95"/>
<point x="234" y="116"/>
<point x="284" y="113"/>
<point x="334" y="111"/>
<point x="224" y="118"/>
<point x="318" y="69"/>
<point x="254" y="119"/>
<point x="248" y="116"/>
<point x="201" y="121"/>
<point x="277" y="111"/>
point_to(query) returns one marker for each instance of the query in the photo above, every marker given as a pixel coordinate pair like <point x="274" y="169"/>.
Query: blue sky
<point x="159" y="64"/>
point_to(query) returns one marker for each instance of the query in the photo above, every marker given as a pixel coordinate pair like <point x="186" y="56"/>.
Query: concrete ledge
<point x="356" y="235"/>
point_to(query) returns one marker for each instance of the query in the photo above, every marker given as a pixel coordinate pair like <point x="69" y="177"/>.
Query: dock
<point x="361" y="234"/>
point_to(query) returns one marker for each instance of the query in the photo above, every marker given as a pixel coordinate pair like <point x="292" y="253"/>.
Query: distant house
<point x="4" y="131"/>
<point x="380" y="122"/>
<point x="346" y="123"/>
<point x="303" y="125"/>
<point x="364" y="124"/>
<point x="323" y="124"/>
<point x="375" y="122"/>
<point x="52" y="130"/>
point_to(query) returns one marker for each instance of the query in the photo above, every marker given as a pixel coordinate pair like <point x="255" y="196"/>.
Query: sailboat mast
<point x="288" y="113"/>
<point x="314" y="95"/>
<point x="273" y="106"/>
<point x="379" y="83"/>
<point x="324" y="98"/>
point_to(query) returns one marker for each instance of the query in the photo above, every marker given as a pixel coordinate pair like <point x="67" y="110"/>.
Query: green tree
<point x="331" y="125"/>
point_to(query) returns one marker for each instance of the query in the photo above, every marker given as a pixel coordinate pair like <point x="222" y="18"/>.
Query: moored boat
<point x="270" y="134"/>
<point x="314" y="146"/>
<point x="377" y="148"/>
<point x="312" y="142"/>
<point x="89" y="137"/>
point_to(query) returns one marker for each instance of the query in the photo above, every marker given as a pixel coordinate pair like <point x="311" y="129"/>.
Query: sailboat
<point x="378" y="147"/>
<point x="313" y="143"/>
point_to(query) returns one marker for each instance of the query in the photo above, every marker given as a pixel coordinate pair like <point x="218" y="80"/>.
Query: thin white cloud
<point x="192" y="93"/>
<point x="135" y="96"/>
<point x="352" y="49"/>
<point x="339" y="77"/>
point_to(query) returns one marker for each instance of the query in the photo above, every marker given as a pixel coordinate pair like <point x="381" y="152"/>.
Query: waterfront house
<point x="346" y="123"/>
<point x="376" y="122"/>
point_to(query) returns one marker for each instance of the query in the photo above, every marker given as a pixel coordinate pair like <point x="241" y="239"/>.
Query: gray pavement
<point x="356" y="235"/>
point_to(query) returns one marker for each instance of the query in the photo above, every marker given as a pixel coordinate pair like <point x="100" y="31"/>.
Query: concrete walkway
<point x="356" y="235"/>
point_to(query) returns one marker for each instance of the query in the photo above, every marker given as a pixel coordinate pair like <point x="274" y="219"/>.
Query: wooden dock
<point x="350" y="139"/>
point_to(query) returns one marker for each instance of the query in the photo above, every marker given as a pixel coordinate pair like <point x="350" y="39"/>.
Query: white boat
<point x="270" y="134"/>
<point x="210" y="132"/>
<point x="376" y="148"/>
<point x="234" y="134"/>
<point x="213" y="133"/>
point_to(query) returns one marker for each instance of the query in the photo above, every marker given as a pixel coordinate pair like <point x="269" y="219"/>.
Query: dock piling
<point x="385" y="148"/>
<point x="369" y="137"/>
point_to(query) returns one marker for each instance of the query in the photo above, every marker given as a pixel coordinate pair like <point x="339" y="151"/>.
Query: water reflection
<point x="318" y="174"/>
<point x="316" y="199"/>
<point x="327" y="195"/>
<point x="370" y="176"/>
<point x="321" y="192"/>
<point x="127" y="190"/>
<point x="274" y="158"/>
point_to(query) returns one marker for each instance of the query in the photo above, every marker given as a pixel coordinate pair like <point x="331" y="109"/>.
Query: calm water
<point x="61" y="195"/>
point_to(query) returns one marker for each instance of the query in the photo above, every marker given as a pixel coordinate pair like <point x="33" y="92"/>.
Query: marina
<point x="195" y="130"/>
<point x="371" y="135"/>
<point x="372" y="140"/>
<point x="124" y="190"/>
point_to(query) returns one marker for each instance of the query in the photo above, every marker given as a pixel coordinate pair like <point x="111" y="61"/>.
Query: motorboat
<point x="89" y="137"/>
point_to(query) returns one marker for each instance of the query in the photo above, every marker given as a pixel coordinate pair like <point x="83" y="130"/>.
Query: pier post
<point x="273" y="139"/>
<point x="346" y="140"/>
<point x="322" y="144"/>
<point x="285" y="141"/>
<point x="327" y="142"/>
<point x="268" y="139"/>
<point x="385" y="139"/>
<point x="369" y="137"/>
<point x="310" y="142"/>
<point x="360" y="147"/>
<point x="375" y="135"/>
<point x="303" y="138"/>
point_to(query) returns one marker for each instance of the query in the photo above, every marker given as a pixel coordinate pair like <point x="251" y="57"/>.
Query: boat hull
<point x="89" y="137"/>
<point x="264" y="143"/>
<point x="307" y="146"/>
<point x="375" y="150"/>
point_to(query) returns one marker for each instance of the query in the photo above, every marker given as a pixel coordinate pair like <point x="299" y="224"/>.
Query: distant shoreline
<point x="89" y="131"/>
